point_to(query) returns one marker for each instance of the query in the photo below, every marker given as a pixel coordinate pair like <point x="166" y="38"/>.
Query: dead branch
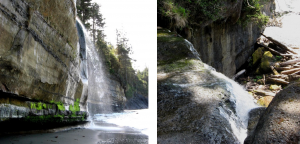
<point x="279" y="44"/>
<point x="271" y="50"/>
<point x="239" y="74"/>
<point x="274" y="71"/>
<point x="283" y="68"/>
<point x="277" y="81"/>
<point x="264" y="93"/>
<point x="279" y="76"/>
<point x="290" y="71"/>
<point x="289" y="62"/>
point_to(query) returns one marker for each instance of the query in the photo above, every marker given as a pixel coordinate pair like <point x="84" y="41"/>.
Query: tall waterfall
<point x="238" y="96"/>
<point x="93" y="73"/>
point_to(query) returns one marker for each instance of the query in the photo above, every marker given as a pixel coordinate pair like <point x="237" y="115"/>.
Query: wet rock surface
<point x="280" y="122"/>
<point x="137" y="102"/>
<point x="190" y="101"/>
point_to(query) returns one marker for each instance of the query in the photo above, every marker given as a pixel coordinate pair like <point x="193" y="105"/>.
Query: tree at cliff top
<point x="84" y="10"/>
<point x="97" y="22"/>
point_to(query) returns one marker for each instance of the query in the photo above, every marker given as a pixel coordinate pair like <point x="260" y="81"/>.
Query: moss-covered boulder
<point x="265" y="101"/>
<point x="257" y="55"/>
<point x="267" y="60"/>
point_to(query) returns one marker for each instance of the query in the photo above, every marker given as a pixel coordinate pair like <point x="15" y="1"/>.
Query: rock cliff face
<point x="39" y="57"/>
<point x="225" y="44"/>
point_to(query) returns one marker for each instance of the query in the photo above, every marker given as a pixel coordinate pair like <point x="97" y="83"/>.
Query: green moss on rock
<point x="267" y="60"/>
<point x="257" y="55"/>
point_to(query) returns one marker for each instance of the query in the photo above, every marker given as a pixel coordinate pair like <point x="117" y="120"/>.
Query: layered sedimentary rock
<point x="39" y="57"/>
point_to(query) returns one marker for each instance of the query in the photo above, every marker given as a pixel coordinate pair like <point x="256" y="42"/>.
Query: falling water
<point x="242" y="100"/>
<point x="93" y="74"/>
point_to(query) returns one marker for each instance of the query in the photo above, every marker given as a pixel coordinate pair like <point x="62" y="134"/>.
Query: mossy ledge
<point x="22" y="114"/>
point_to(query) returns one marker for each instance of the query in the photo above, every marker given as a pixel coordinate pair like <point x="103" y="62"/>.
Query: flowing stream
<point x="238" y="96"/>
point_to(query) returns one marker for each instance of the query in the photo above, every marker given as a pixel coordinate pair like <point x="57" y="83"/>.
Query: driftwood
<point x="290" y="71"/>
<point x="279" y="44"/>
<point x="271" y="50"/>
<point x="238" y="74"/>
<point x="278" y="81"/>
<point x="296" y="73"/>
<point x="274" y="71"/>
<point x="296" y="66"/>
<point x="283" y="68"/>
<point x="289" y="62"/>
<point x="264" y="93"/>
<point x="279" y="76"/>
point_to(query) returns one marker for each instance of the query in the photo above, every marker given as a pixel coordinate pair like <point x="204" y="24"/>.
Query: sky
<point x="137" y="18"/>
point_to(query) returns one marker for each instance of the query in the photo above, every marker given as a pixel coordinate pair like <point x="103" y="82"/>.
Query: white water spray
<point x="242" y="100"/>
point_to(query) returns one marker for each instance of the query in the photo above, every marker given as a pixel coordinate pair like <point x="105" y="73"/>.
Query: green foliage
<point x="60" y="105"/>
<point x="44" y="106"/>
<point x="75" y="108"/>
<point x="258" y="77"/>
<point x="39" y="106"/>
<point x="254" y="80"/>
<point x="182" y="12"/>
<point x="278" y="58"/>
<point x="251" y="12"/>
<point x="32" y="106"/>
<point x="129" y="91"/>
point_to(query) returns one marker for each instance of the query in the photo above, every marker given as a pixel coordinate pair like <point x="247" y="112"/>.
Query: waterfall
<point x="92" y="72"/>
<point x="238" y="96"/>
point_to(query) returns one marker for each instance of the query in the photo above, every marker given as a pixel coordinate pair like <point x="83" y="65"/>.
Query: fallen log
<point x="296" y="66"/>
<point x="279" y="76"/>
<point x="289" y="62"/>
<point x="296" y="73"/>
<point x="271" y="50"/>
<point x="238" y="74"/>
<point x="283" y="68"/>
<point x="290" y="71"/>
<point x="277" y="81"/>
<point x="274" y="71"/>
<point x="263" y="93"/>
<point x="279" y="44"/>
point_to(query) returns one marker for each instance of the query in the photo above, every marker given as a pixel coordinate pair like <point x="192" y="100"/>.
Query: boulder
<point x="257" y="55"/>
<point x="267" y="60"/>
<point x="193" y="106"/>
<point x="265" y="101"/>
<point x="254" y="116"/>
<point x="280" y="123"/>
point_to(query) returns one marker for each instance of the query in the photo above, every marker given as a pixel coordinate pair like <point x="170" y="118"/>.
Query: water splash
<point x="242" y="100"/>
